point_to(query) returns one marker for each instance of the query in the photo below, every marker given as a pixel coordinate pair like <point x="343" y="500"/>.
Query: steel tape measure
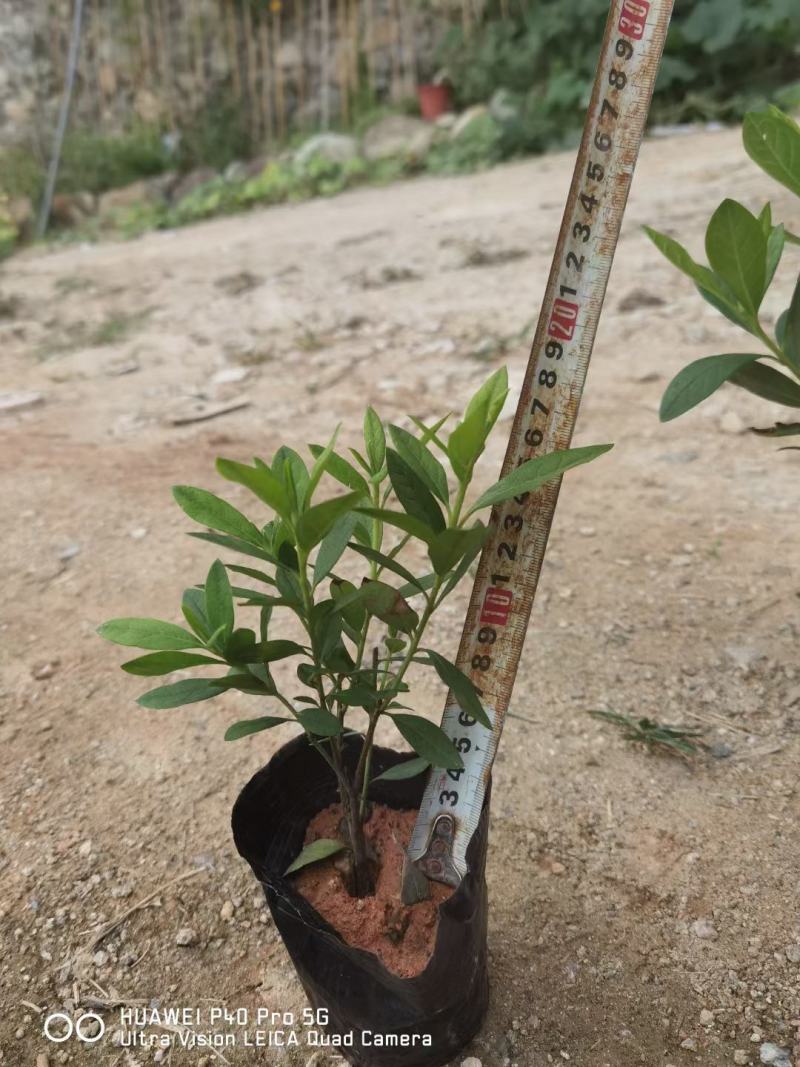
<point x="511" y="562"/>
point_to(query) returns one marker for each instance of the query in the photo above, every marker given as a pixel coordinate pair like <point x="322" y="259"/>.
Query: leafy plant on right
<point x="744" y="252"/>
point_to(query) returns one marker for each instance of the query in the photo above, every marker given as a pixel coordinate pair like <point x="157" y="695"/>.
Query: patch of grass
<point x="655" y="736"/>
<point x="115" y="327"/>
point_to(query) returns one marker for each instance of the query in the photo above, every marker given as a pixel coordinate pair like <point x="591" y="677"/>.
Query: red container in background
<point x="434" y="100"/>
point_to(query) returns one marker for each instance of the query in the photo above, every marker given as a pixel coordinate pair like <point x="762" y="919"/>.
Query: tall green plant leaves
<point x="422" y="461"/>
<point x="321" y="849"/>
<point x="461" y="686"/>
<point x="768" y="383"/>
<point x="699" y="380"/>
<point x="713" y="289"/>
<point x="148" y="633"/>
<point x="536" y="472"/>
<point x="333" y="545"/>
<point x="219" y="601"/>
<point x="253" y="726"/>
<point x="210" y="510"/>
<point x="737" y="251"/>
<point x="188" y="691"/>
<point x="374" y="440"/>
<point x="772" y="140"/>
<point x="428" y="741"/>
<point x="260" y="481"/>
<point x="790" y="341"/>
<point x="411" y="491"/>
<point x="319" y="520"/>
<point x="468" y="439"/>
<point x="157" y="663"/>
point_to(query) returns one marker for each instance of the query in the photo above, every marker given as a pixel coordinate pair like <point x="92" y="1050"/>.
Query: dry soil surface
<point x="643" y="910"/>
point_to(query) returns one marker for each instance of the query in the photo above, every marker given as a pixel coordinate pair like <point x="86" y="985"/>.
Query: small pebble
<point x="138" y="533"/>
<point x="471" y="1061"/>
<point x="706" y="1017"/>
<point x="69" y="552"/>
<point x="42" y="1060"/>
<point x="741" y="1057"/>
<point x="689" y="1043"/>
<point x="42" y="671"/>
<point x="85" y="849"/>
<point x="793" y="953"/>
<point x="778" y="1057"/>
<point x="100" y="959"/>
<point x="704" y="929"/>
<point x="226" y="912"/>
<point x="185" y="937"/>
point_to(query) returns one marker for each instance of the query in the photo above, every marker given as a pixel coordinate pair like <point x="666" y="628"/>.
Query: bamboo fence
<point x="270" y="58"/>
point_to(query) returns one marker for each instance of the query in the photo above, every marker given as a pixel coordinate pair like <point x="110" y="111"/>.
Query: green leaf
<point x="252" y="726"/>
<point x="188" y="691"/>
<point x="387" y="604"/>
<point x="481" y="533"/>
<point x="251" y="572"/>
<point x="272" y="651"/>
<point x="737" y="251"/>
<point x="290" y="469"/>
<point x="768" y="383"/>
<point x="165" y="663"/>
<point x="699" y="380"/>
<point x="461" y="686"/>
<point x="210" y="510"/>
<point x="193" y="606"/>
<point x="341" y="470"/>
<point x="431" y="433"/>
<point x="791" y="334"/>
<point x="536" y="472"/>
<point x="427" y="581"/>
<point x="219" y="601"/>
<point x="348" y="603"/>
<point x="260" y="481"/>
<point x="411" y="768"/>
<point x="772" y="140"/>
<point x="333" y="545"/>
<point x="422" y="461"/>
<point x="374" y="440"/>
<point x="429" y="741"/>
<point x="776" y="242"/>
<point x="241" y="647"/>
<point x="450" y="546"/>
<point x="389" y="563"/>
<point x="148" y="633"/>
<point x="321" y="849"/>
<point x="257" y="680"/>
<point x="781" y="429"/>
<point x="318" y="521"/>
<point x="320" y="722"/>
<point x="319" y="467"/>
<point x="467" y="441"/>
<point x="411" y="491"/>
<point x="407" y="523"/>
<point x="235" y="544"/>
<point x="680" y="258"/>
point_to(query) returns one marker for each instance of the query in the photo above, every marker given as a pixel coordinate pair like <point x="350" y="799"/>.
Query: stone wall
<point x="163" y="61"/>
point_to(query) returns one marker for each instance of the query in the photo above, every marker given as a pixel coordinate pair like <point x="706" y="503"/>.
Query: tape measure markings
<point x="511" y="562"/>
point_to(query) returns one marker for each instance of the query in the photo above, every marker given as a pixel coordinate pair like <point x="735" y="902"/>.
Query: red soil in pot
<point x="375" y="923"/>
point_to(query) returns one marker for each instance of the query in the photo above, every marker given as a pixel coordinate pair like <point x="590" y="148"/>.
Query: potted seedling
<point x="744" y="252"/>
<point x="344" y="586"/>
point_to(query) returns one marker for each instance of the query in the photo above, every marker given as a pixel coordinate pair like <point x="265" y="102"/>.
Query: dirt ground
<point x="643" y="911"/>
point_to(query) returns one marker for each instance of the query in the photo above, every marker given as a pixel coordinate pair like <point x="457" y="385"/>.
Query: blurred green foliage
<point x="723" y="58"/>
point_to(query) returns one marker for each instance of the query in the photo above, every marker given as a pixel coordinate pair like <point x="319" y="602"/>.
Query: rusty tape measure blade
<point x="509" y="568"/>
